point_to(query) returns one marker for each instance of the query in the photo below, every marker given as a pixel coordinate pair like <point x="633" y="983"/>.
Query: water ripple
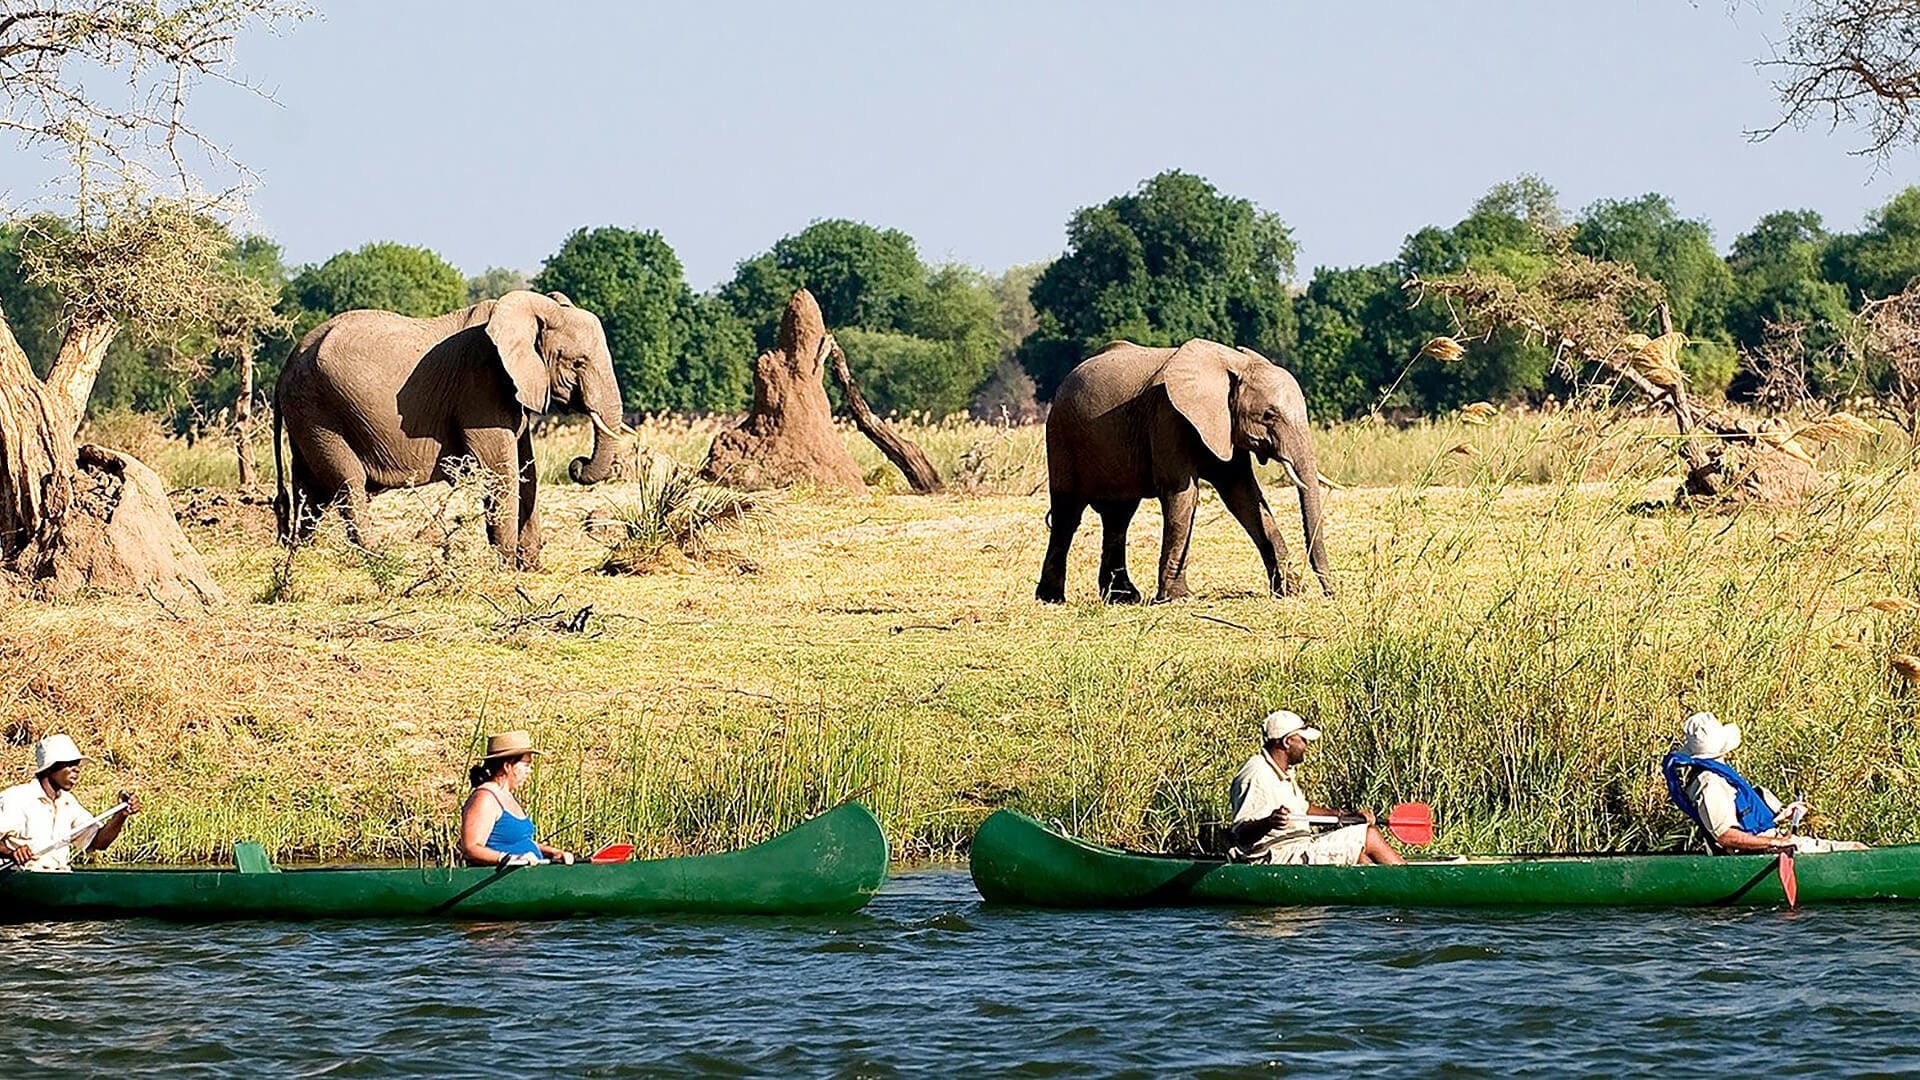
<point x="928" y="978"/>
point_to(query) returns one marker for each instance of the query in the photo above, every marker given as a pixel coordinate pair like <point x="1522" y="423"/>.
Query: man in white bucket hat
<point x="1736" y="816"/>
<point x="1270" y="810"/>
<point x="42" y="825"/>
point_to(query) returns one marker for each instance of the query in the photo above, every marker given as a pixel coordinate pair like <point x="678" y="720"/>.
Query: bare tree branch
<point x="1851" y="63"/>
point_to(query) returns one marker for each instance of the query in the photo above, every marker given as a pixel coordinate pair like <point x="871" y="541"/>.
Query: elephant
<point x="373" y="400"/>
<point x="1131" y="422"/>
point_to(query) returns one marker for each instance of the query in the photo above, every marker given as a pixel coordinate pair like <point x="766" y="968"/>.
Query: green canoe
<point x="833" y="863"/>
<point x="1016" y="860"/>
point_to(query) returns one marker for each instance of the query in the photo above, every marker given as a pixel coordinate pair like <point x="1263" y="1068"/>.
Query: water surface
<point x="927" y="978"/>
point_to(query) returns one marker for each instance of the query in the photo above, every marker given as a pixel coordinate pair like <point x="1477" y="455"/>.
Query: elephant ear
<point x="514" y="328"/>
<point x="1199" y="381"/>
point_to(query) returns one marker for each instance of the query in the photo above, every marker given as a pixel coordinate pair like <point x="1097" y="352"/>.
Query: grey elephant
<point x="1132" y="422"/>
<point x="372" y="400"/>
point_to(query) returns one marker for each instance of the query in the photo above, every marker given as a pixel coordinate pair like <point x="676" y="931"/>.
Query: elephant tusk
<point x="601" y="426"/>
<point x="1293" y="475"/>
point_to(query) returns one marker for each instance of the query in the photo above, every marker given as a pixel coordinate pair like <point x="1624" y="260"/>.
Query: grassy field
<point x="1516" y="639"/>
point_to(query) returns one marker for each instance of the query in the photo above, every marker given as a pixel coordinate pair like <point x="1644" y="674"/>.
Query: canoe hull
<point x="1016" y="860"/>
<point x="831" y="864"/>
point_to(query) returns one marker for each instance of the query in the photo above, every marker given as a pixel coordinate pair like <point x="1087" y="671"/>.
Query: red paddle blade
<point x="1788" y="884"/>
<point x="612" y="853"/>
<point x="1411" y="823"/>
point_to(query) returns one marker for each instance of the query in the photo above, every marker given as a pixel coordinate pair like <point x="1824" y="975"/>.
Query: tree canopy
<point x="671" y="349"/>
<point x="384" y="276"/>
<point x="916" y="338"/>
<point x="1174" y="260"/>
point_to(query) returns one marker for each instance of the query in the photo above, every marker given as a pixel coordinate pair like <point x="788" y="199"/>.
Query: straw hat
<point x="1706" y="737"/>
<point x="509" y="744"/>
<point x="54" y="750"/>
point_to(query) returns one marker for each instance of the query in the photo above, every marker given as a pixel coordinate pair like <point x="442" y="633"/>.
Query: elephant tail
<point x="282" y="505"/>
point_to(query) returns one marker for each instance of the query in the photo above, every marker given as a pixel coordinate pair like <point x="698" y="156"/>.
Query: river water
<point x="927" y="978"/>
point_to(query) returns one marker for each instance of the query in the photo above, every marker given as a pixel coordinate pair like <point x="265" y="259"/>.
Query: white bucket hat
<point x="1279" y="725"/>
<point x="1706" y="737"/>
<point x="54" y="750"/>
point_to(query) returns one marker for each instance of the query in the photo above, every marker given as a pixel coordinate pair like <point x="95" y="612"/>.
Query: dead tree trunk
<point x="74" y="517"/>
<point x="243" y="423"/>
<point x="78" y="364"/>
<point x="36" y="459"/>
<point x="789" y="436"/>
<point x="907" y="457"/>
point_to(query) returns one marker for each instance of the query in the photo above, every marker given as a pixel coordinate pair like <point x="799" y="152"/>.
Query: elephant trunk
<point x="607" y="424"/>
<point x="1305" y="474"/>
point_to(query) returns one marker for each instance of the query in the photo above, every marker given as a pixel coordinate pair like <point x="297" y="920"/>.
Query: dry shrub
<point x="671" y="517"/>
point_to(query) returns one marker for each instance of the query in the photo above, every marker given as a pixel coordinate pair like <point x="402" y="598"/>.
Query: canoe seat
<point x="250" y="857"/>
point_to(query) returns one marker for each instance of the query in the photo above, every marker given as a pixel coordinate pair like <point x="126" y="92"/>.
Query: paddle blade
<point x="1411" y="823"/>
<point x="1788" y="884"/>
<point x="612" y="853"/>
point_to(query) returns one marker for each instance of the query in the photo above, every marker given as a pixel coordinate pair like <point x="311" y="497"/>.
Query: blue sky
<point x="489" y="131"/>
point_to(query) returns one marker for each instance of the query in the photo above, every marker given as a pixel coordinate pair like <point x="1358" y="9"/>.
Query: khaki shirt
<point x="1714" y="799"/>
<point x="28" y="816"/>
<point x="1260" y="788"/>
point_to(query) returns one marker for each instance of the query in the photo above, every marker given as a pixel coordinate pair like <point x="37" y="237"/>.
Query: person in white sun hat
<point x="1736" y="816"/>
<point x="42" y="826"/>
<point x="1270" y="810"/>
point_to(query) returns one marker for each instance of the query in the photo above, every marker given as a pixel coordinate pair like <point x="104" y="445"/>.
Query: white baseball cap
<point x="1279" y="725"/>
<point x="54" y="750"/>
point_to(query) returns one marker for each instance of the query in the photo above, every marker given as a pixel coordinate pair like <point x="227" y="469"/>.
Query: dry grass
<point x="1518" y="653"/>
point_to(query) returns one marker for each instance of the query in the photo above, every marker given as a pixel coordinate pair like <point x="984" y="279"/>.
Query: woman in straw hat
<point x="494" y="829"/>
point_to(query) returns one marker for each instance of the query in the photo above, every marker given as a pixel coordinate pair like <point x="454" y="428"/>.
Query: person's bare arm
<point x="1746" y="843"/>
<point x="109" y="830"/>
<point x="476" y="824"/>
<point x="1247" y="833"/>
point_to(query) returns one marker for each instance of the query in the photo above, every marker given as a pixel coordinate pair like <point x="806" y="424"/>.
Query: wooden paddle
<point x="87" y="831"/>
<point x="1409" y="822"/>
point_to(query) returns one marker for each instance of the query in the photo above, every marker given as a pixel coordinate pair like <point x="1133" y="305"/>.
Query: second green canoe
<point x="1017" y="860"/>
<point x="833" y="863"/>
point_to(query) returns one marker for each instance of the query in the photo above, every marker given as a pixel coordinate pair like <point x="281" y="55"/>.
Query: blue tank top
<point x="512" y="834"/>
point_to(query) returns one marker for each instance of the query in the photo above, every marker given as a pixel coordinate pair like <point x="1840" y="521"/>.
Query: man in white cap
<point x="42" y="825"/>
<point x="1736" y="816"/>
<point x="1270" y="810"/>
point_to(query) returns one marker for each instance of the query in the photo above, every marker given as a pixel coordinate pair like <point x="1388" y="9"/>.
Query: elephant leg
<point x="304" y="500"/>
<point x="527" y="556"/>
<point x="335" y="477"/>
<point x="1240" y="490"/>
<point x="497" y="451"/>
<point x="1063" y="520"/>
<point x="1115" y="517"/>
<point x="1177" y="508"/>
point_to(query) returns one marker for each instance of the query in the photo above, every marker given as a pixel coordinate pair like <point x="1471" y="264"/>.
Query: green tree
<point x="1172" y="261"/>
<point x="1674" y="251"/>
<point x="1777" y="280"/>
<point x="1679" y="254"/>
<point x="862" y="277"/>
<point x="1883" y="258"/>
<point x="671" y="349"/>
<point x="383" y="276"/>
<point x="915" y="338"/>
<point x="34" y="310"/>
<point x="495" y="283"/>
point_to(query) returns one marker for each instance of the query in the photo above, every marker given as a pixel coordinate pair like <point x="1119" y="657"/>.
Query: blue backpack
<point x="1754" y="813"/>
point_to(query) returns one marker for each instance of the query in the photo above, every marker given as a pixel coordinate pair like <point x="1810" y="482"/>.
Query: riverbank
<point x="1519" y="654"/>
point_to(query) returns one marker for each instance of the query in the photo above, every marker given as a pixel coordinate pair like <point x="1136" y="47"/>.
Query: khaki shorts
<point x="1341" y="847"/>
